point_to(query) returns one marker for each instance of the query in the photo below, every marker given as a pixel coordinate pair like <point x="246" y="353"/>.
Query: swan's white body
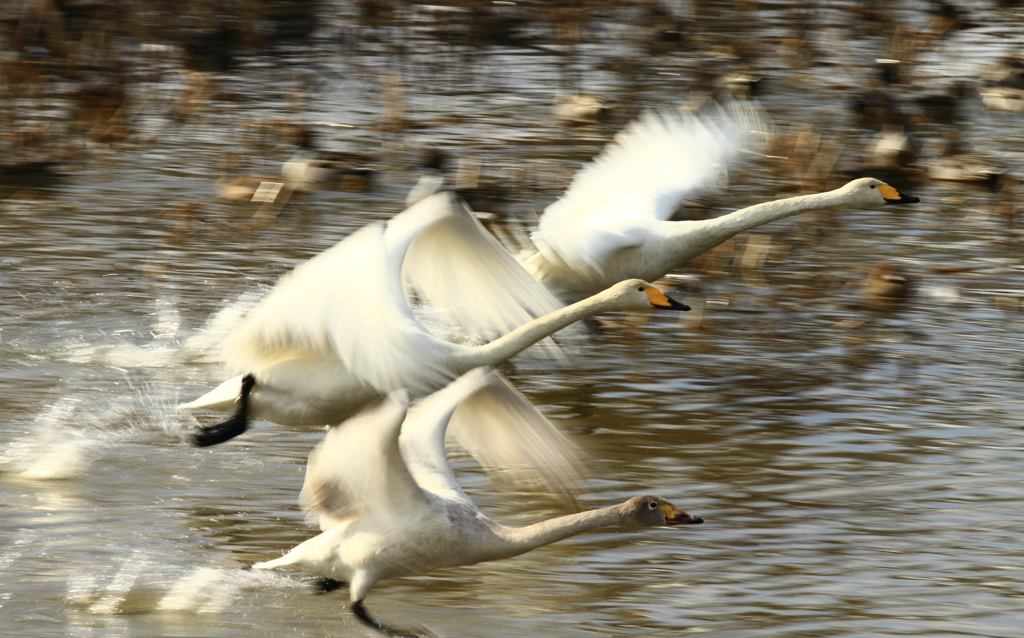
<point x="338" y="331"/>
<point x="613" y="221"/>
<point x="390" y="505"/>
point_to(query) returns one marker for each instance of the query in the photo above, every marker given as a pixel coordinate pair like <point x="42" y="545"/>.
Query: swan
<point x="613" y="221"/>
<point x="338" y="332"/>
<point x="389" y="504"/>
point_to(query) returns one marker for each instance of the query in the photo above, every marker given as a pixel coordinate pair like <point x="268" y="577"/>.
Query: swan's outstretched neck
<point x="523" y="539"/>
<point x="702" y="236"/>
<point x="530" y="333"/>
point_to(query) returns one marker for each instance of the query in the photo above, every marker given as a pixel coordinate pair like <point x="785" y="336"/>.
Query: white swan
<point x="389" y="504"/>
<point x="612" y="222"/>
<point x="338" y="332"/>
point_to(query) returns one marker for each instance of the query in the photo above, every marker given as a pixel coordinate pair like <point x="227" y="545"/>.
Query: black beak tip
<point x="905" y="199"/>
<point x="685" y="519"/>
<point x="676" y="305"/>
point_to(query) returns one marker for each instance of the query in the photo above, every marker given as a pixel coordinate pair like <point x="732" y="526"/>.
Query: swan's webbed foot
<point x="221" y="432"/>
<point x="326" y="585"/>
<point x="232" y="427"/>
<point x="360" y="612"/>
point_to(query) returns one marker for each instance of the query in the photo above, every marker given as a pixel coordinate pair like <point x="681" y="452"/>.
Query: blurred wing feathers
<point x="465" y="274"/>
<point x="358" y="471"/>
<point x="506" y="433"/>
<point x="347" y="303"/>
<point x="646" y="171"/>
<point x="423" y="437"/>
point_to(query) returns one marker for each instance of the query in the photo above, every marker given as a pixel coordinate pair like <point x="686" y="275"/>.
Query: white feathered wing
<point x="349" y="304"/>
<point x="385" y="462"/>
<point x="642" y="175"/>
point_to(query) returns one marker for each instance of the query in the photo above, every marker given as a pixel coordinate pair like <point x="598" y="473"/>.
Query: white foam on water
<point x="133" y="356"/>
<point x="51" y="450"/>
<point x="115" y="593"/>
<point x="146" y="580"/>
<point x="165" y="342"/>
<point x="168" y="319"/>
<point x="209" y="590"/>
<point x="204" y="590"/>
<point x="131" y="585"/>
<point x="64" y="440"/>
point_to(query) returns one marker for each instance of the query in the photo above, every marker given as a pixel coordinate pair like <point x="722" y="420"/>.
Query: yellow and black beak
<point x="679" y="517"/>
<point x="663" y="301"/>
<point x="893" y="196"/>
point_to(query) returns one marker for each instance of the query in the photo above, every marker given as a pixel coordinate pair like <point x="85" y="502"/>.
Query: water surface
<point x="857" y="468"/>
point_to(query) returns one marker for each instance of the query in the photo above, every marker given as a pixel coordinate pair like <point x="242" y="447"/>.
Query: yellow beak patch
<point x="658" y="298"/>
<point x="670" y="512"/>
<point x="889" y="193"/>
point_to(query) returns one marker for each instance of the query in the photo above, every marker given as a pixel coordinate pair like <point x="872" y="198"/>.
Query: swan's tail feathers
<point x="223" y="397"/>
<point x="297" y="559"/>
<point x="234" y="426"/>
<point x="285" y="561"/>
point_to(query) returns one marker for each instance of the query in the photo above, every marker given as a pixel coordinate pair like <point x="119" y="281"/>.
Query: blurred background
<point x="842" y="406"/>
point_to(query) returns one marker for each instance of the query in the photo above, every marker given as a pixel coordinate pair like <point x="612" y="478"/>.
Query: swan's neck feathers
<point x="699" y="237"/>
<point x="518" y="540"/>
<point x="530" y="333"/>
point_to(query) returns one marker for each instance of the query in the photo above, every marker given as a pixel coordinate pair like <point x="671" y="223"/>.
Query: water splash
<point x="205" y="345"/>
<point x="210" y="590"/>
<point x="51" y="451"/>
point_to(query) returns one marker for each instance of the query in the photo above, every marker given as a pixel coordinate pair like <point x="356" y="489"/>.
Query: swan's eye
<point x="641" y="288"/>
<point x="652" y="505"/>
<point x="872" y="186"/>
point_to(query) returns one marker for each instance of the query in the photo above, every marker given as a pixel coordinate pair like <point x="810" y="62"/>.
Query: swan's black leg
<point x="232" y="427"/>
<point x="326" y="585"/>
<point x="222" y="431"/>
<point x="360" y="612"/>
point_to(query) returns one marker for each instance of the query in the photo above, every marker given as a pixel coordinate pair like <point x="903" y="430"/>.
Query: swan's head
<point x="652" y="511"/>
<point x="637" y="294"/>
<point x="868" y="192"/>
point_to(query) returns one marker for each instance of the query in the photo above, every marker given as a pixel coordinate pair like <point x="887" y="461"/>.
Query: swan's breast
<point x="435" y="540"/>
<point x="308" y="392"/>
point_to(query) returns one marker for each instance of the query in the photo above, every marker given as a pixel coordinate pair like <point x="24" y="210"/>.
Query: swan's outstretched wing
<point x="656" y="161"/>
<point x="643" y="174"/>
<point x="346" y="303"/>
<point x="465" y="274"/>
<point x="358" y="471"/>
<point x="505" y="433"/>
<point x="349" y="302"/>
<point x="423" y="436"/>
<point x="498" y="426"/>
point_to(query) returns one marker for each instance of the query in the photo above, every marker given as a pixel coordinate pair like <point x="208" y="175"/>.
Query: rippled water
<point x="858" y="468"/>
